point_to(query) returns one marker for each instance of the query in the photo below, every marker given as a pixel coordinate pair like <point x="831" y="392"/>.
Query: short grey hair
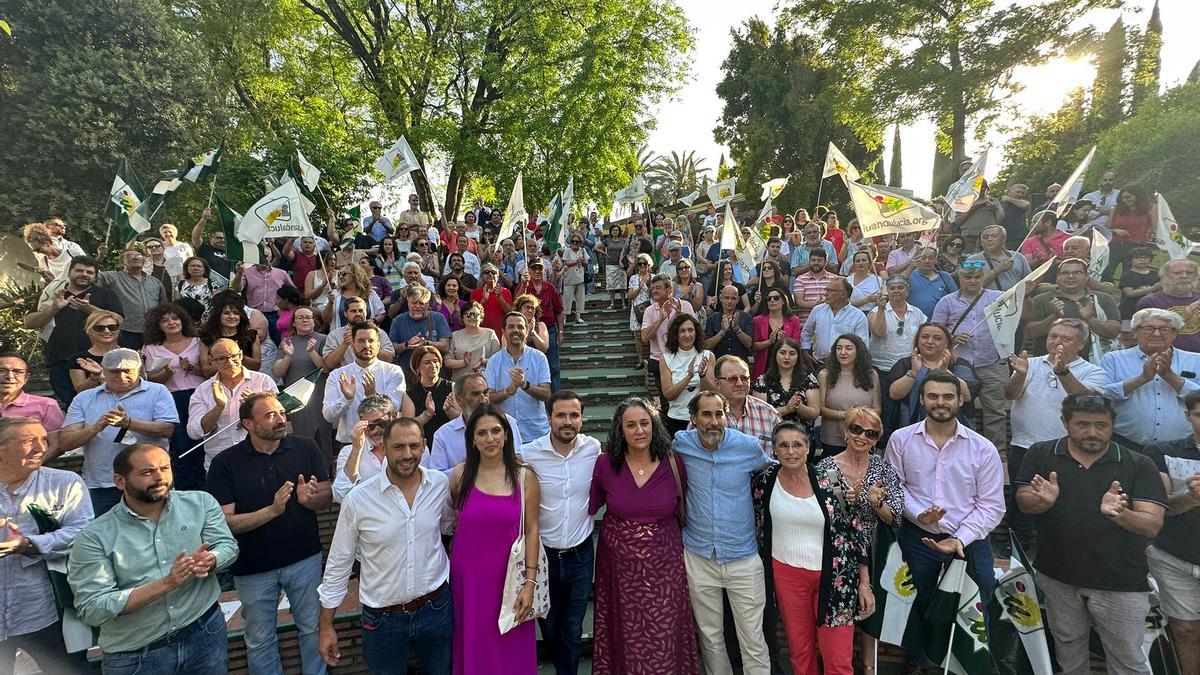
<point x="1079" y="325"/>
<point x="415" y="292"/>
<point x="7" y="423"/>
<point x="1143" y="315"/>
<point x="410" y="265"/>
<point x="377" y="404"/>
<point x="1014" y="186"/>
<point x="1166" y="267"/>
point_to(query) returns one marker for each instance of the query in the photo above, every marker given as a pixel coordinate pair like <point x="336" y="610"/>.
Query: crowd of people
<point x="795" y="407"/>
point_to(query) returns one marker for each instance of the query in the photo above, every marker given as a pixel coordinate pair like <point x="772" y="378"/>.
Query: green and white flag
<point x="1003" y="314"/>
<point x="514" y="215"/>
<point x="280" y="214"/>
<point x="309" y="174"/>
<point x="1167" y="235"/>
<point x="882" y="212"/>
<point x="299" y="393"/>
<point x="234" y="248"/>
<point x="636" y="192"/>
<point x="732" y="240"/>
<point x="292" y="174"/>
<point x="203" y="165"/>
<point x="1018" y="634"/>
<point x="560" y="209"/>
<point x="398" y="161"/>
<point x="956" y="607"/>
<point x="169" y="181"/>
<point x="894" y="620"/>
<point x="354" y="212"/>
<point x="966" y="189"/>
<point x="126" y="209"/>
<point x="722" y="193"/>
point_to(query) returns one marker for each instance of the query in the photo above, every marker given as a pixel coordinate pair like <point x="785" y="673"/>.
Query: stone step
<point x="609" y="345"/>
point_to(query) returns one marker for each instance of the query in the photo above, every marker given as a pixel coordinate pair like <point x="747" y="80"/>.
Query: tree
<point x="1108" y="89"/>
<point x="896" y="172"/>
<point x="722" y="168"/>
<point x="500" y="86"/>
<point x="952" y="60"/>
<point x="778" y="118"/>
<point x="1050" y="147"/>
<point x="675" y="175"/>
<point x="1149" y="60"/>
<point x="83" y="84"/>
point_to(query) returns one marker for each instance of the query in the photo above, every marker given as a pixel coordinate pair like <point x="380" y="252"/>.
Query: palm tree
<point x="676" y="175"/>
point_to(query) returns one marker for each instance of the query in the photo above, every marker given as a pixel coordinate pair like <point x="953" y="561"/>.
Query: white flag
<point x="279" y="214"/>
<point x="399" y="160"/>
<point x="965" y="191"/>
<point x="882" y="212"/>
<point x="690" y="199"/>
<point x="1071" y="189"/>
<point x="1017" y="596"/>
<point x="123" y="195"/>
<point x="732" y="240"/>
<point x="308" y="173"/>
<point x="1004" y="313"/>
<point x="636" y="192"/>
<point x="764" y="214"/>
<point x="1098" y="259"/>
<point x="721" y="193"/>
<point x="514" y="215"/>
<point x="772" y="188"/>
<point x="836" y="164"/>
<point x="1167" y="235"/>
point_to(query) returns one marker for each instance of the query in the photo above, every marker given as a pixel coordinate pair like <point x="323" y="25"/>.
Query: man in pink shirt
<point x="259" y="284"/>
<point x="663" y="309"/>
<point x="953" y="487"/>
<point x="14" y="402"/>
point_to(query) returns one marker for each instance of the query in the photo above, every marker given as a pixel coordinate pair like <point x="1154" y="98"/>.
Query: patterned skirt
<point x="614" y="278"/>
<point x="643" y="622"/>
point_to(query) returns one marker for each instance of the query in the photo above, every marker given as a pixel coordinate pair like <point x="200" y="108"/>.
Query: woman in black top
<point x="428" y="390"/>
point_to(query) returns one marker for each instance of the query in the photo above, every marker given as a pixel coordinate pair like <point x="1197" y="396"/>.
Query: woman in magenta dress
<point x="643" y="617"/>
<point x="484" y="491"/>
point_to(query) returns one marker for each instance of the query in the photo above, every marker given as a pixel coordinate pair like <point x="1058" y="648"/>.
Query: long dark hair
<point x="1141" y="204"/>
<point x="471" y="464"/>
<point x="799" y="374"/>
<point x="154" y="334"/>
<point x="766" y="290"/>
<point x="616" y="447"/>
<point x="212" y="326"/>
<point x="862" y="363"/>
<point x="672" y="343"/>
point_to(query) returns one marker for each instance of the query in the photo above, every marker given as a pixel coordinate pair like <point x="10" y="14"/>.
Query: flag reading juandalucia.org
<point x="882" y="212"/>
<point x="279" y="214"/>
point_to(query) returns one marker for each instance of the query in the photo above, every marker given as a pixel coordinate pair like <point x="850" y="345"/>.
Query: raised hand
<point x="282" y="495"/>
<point x="181" y="570"/>
<point x="204" y="561"/>
<point x="288" y="349"/>
<point x="358" y="433"/>
<point x="1193" y="487"/>
<point x="219" y="395"/>
<point x="1114" y="502"/>
<point x="1045" y="489"/>
<point x="876" y="494"/>
<point x="1019" y="364"/>
<point x="311" y="346"/>
<point x="518" y="376"/>
<point x="1058" y="306"/>
<point x="368" y="382"/>
<point x="452" y="407"/>
<point x="347" y="385"/>
<point x="90" y="366"/>
<point x="948" y="546"/>
<point x="1086" y="310"/>
<point x="430" y="404"/>
<point x="931" y="515"/>
<point x="61" y="300"/>
<point x="307" y="490"/>
<point x="11" y="539"/>
<point x="917" y="361"/>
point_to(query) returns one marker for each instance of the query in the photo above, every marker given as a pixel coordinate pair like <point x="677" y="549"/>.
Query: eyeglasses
<point x="872" y="434"/>
<point x="735" y="378"/>
<point x="19" y="372"/>
<point x="955" y="244"/>
<point x="1157" y="330"/>
<point x="402" y="229"/>
<point x="106" y="328"/>
<point x="972" y="264"/>
<point x="471" y="315"/>
<point x="227" y="359"/>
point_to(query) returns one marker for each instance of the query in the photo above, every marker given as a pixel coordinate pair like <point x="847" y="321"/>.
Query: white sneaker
<point x="579" y="322"/>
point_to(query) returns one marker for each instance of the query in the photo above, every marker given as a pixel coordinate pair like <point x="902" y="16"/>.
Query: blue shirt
<point x="1154" y="412"/>
<point x="147" y="401"/>
<point x="980" y="350"/>
<point x="924" y="293"/>
<point x="377" y="228"/>
<point x="800" y="255"/>
<point x="720" y="510"/>
<point x="433" y="327"/>
<point x="529" y="412"/>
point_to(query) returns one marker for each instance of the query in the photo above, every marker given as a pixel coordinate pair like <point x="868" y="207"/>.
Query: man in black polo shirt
<point x="1098" y="508"/>
<point x="275" y="522"/>
<point x="1175" y="556"/>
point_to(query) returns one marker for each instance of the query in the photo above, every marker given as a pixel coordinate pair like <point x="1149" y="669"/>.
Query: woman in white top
<point x="683" y="370"/>
<point x="174" y="251"/>
<point x="316" y="285"/>
<point x="894" y="324"/>
<point x="868" y="288"/>
<point x="364" y="456"/>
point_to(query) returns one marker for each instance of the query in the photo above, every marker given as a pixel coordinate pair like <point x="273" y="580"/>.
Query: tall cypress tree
<point x="722" y="168"/>
<point x="1149" y="61"/>
<point x="896" y="174"/>
<point x="1108" y="89"/>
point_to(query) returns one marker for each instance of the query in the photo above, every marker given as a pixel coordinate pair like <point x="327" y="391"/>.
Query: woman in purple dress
<point x="643" y="620"/>
<point x="484" y="490"/>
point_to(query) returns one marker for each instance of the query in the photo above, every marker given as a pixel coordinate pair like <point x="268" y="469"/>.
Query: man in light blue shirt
<point x="720" y="551"/>
<point x="831" y="319"/>
<point x="519" y="377"/>
<point x="1150" y="381"/>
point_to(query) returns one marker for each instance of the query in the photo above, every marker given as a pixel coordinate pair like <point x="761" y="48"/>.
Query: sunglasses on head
<point x="857" y="430"/>
<point x="972" y="264"/>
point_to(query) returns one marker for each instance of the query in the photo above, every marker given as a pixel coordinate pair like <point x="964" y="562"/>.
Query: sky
<point x="686" y="121"/>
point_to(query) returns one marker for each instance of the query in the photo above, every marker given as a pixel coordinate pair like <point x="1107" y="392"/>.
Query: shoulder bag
<point x="514" y="579"/>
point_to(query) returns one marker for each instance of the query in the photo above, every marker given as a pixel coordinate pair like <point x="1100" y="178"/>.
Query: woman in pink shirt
<point x="172" y="358"/>
<point x="1046" y="240"/>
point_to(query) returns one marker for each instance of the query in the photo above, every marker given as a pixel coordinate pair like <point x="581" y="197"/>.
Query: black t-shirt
<point x="1180" y="535"/>
<point x="1131" y="279"/>
<point x="441" y="392"/>
<point x="216" y="260"/>
<point x="68" y="338"/>
<point x="248" y="479"/>
<point x="1078" y="545"/>
<point x="1014" y="225"/>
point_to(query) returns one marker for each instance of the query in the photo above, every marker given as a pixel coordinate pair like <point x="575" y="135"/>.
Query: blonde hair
<point x="100" y="315"/>
<point x="362" y="282"/>
<point x="862" y="413"/>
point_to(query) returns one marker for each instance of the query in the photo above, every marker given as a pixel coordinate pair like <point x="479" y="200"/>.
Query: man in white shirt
<point x="449" y="447"/>
<point x="1038" y="387"/>
<point x="347" y="386"/>
<point x="836" y="316"/>
<point x="337" y="351"/>
<point x="214" y="406"/>
<point x="563" y="460"/>
<point x="396" y="519"/>
<point x="1103" y="200"/>
<point x="364" y="457"/>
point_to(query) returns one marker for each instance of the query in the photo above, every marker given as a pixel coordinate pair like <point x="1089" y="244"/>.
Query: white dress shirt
<point x="368" y="465"/>
<point x="202" y="402"/>
<point x="893" y="346"/>
<point x="566" y="488"/>
<point x="824" y="325"/>
<point x="449" y="447"/>
<point x="1036" y="411"/>
<point x="389" y="381"/>
<point x="401" y="546"/>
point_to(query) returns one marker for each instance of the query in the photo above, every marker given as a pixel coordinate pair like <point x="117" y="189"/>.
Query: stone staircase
<point x="597" y="361"/>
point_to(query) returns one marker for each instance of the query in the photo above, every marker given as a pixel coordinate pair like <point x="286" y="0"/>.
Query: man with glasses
<point x="1004" y="267"/>
<point x="1103" y="200"/>
<point x="836" y="316"/>
<point x="364" y="457"/>
<point x="749" y="415"/>
<point x="15" y="402"/>
<point x="156" y="259"/>
<point x="376" y="225"/>
<point x="1150" y="381"/>
<point x="494" y="298"/>
<point x="138" y="292"/>
<point x="964" y="313"/>
<point x="1179" y="294"/>
<point x="449" y="446"/>
<point x="1098" y="506"/>
<point x="1072" y="300"/>
<point x="125" y="409"/>
<point x="213" y="250"/>
<point x="346" y="387"/>
<point x="1041" y="383"/>
<point x="213" y="408"/>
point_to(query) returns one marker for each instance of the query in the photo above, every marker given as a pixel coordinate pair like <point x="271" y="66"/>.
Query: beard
<point x="565" y="434"/>
<point x="940" y="414"/>
<point x="151" y="495"/>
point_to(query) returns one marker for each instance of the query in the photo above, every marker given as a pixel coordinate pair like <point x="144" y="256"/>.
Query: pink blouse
<point x="180" y="379"/>
<point x="762" y="331"/>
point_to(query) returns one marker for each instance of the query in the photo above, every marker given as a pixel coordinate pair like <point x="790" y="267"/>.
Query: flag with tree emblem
<point x="298" y="393"/>
<point x="836" y="164"/>
<point x="881" y="212"/>
<point x="399" y="160"/>
<point x="894" y="620"/>
<point x="956" y="637"/>
<point x="126" y="209"/>
<point x="282" y="213"/>
<point x="1018" y="633"/>
<point x="203" y="165"/>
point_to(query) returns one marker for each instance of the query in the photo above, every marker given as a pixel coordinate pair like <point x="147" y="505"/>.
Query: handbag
<point x="681" y="512"/>
<point x="514" y="579"/>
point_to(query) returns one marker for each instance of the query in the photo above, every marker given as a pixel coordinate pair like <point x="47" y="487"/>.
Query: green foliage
<point x="780" y="114"/>
<point x="83" y="84"/>
<point x="672" y="176"/>
<point x="1050" y="147"/>
<point x="1108" y="90"/>
<point x="722" y="166"/>
<point x="1149" y="60"/>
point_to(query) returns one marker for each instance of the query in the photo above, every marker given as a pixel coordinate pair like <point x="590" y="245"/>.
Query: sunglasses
<point x="956" y="244"/>
<point x="106" y="328"/>
<point x="774" y="298"/>
<point x="489" y="272"/>
<point x="972" y="265"/>
<point x="378" y="425"/>
<point x="871" y="434"/>
<point x="900" y="327"/>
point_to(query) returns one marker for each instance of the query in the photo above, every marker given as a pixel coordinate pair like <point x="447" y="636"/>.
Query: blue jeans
<point x="387" y="637"/>
<point x="103" y="499"/>
<point x="204" y="651"/>
<point x="552" y="358"/>
<point x="189" y="471"/>
<point x="259" y="594"/>
<point x="926" y="565"/>
<point x="570" y="585"/>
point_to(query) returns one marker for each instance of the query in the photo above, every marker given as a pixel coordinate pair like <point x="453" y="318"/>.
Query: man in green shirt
<point x="145" y="572"/>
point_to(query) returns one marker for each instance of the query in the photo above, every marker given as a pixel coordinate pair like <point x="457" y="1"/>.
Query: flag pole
<point x="209" y="438"/>
<point x="212" y="189"/>
<point x="953" y="626"/>
<point x="820" y="185"/>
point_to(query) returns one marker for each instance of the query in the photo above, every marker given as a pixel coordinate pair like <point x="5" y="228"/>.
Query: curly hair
<point x="672" y="342"/>
<point x="616" y="446"/>
<point x="211" y="331"/>
<point x="154" y="334"/>
<point x="861" y="369"/>
<point x="361" y="281"/>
